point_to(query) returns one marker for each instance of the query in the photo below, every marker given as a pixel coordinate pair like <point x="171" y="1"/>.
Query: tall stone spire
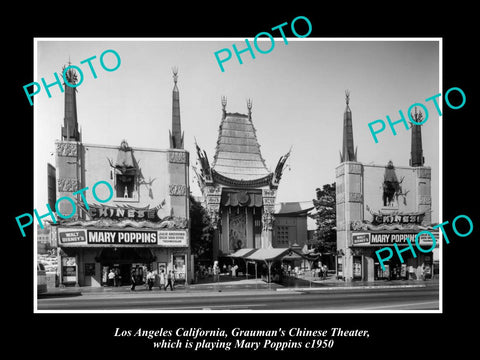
<point x="348" y="153"/>
<point x="416" y="153"/>
<point x="70" y="121"/>
<point x="176" y="135"/>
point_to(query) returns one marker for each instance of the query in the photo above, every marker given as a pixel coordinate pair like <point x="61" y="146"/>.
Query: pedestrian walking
<point x="169" y="280"/>
<point x="150" y="279"/>
<point x="132" y="279"/>
<point x="216" y="271"/>
<point x="111" y="278"/>
<point x="116" y="279"/>
<point x="161" y="277"/>
<point x="325" y="270"/>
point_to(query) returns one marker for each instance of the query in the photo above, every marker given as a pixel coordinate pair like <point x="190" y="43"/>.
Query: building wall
<point x="360" y="195"/>
<point x="163" y="178"/>
<point x="294" y="226"/>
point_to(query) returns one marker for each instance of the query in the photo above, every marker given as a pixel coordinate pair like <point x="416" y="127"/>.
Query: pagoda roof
<point x="237" y="154"/>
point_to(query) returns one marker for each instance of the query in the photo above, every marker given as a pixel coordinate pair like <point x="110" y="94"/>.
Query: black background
<point x="405" y="335"/>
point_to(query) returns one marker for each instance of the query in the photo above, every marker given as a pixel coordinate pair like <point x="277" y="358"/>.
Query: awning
<point x="243" y="253"/>
<point x="125" y="255"/>
<point x="269" y="254"/>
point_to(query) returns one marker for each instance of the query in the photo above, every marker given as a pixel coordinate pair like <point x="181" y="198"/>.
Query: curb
<point x="58" y="294"/>
<point x="351" y="287"/>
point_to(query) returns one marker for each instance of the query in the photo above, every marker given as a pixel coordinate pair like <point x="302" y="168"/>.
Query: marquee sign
<point x="122" y="237"/>
<point x="103" y="237"/>
<point x="390" y="238"/>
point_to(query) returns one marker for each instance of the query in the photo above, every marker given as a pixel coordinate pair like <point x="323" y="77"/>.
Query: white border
<point x="440" y="207"/>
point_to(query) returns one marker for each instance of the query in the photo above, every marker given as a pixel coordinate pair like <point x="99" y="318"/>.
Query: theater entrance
<point x="394" y="270"/>
<point x="122" y="262"/>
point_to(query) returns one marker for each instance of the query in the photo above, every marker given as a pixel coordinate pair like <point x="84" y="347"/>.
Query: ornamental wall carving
<point x="66" y="149"/>
<point x="355" y="197"/>
<point x="424" y="173"/>
<point x="424" y="200"/>
<point x="177" y="190"/>
<point x="354" y="168"/>
<point x="269" y="193"/>
<point x="214" y="190"/>
<point x="339" y="171"/>
<point x="340" y="225"/>
<point x="340" y="198"/>
<point x="67" y="185"/>
<point x="213" y="199"/>
<point x="177" y="157"/>
<point x="352" y="197"/>
<point x="267" y="221"/>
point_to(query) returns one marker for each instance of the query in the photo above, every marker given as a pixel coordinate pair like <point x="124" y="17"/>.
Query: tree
<point x="325" y="235"/>
<point x="201" y="230"/>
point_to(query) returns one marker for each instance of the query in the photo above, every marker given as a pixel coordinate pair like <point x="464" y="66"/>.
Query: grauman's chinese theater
<point x="383" y="205"/>
<point x="145" y="224"/>
<point x="239" y="191"/>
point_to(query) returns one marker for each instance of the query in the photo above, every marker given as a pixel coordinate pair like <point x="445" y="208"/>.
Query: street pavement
<point x="250" y="294"/>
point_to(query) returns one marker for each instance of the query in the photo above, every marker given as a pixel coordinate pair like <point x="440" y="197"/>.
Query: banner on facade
<point x="390" y="238"/>
<point x="118" y="237"/>
<point x="172" y="238"/>
<point x="106" y="238"/>
<point x="72" y="237"/>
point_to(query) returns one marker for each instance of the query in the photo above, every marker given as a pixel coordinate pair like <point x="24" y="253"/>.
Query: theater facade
<point x="239" y="191"/>
<point x="145" y="224"/>
<point x="381" y="205"/>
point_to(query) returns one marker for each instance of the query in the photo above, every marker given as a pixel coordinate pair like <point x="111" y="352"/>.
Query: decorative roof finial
<point x="249" y="106"/>
<point x="224" y="102"/>
<point x="175" y="74"/>
<point x="70" y="75"/>
<point x="417" y="117"/>
<point x="347" y="96"/>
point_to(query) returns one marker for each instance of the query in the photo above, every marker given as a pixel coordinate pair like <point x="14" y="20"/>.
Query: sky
<point x="297" y="89"/>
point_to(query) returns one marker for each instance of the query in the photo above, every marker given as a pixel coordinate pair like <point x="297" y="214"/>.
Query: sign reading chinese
<point x="125" y="212"/>
<point x="379" y="219"/>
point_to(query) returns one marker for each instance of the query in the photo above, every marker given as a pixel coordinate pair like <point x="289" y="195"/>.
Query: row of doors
<point x="122" y="274"/>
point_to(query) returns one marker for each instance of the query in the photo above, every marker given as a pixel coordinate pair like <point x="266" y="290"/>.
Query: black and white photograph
<point x="272" y="186"/>
<point x="297" y="172"/>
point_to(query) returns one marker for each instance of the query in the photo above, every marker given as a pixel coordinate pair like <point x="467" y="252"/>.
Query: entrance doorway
<point x="394" y="270"/>
<point x="124" y="261"/>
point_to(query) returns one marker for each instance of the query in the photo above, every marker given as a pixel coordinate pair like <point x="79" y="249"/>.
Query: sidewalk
<point x="228" y="284"/>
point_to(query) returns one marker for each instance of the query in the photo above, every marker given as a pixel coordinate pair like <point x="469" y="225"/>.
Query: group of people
<point x="320" y="271"/>
<point x="165" y="280"/>
<point x="114" y="278"/>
